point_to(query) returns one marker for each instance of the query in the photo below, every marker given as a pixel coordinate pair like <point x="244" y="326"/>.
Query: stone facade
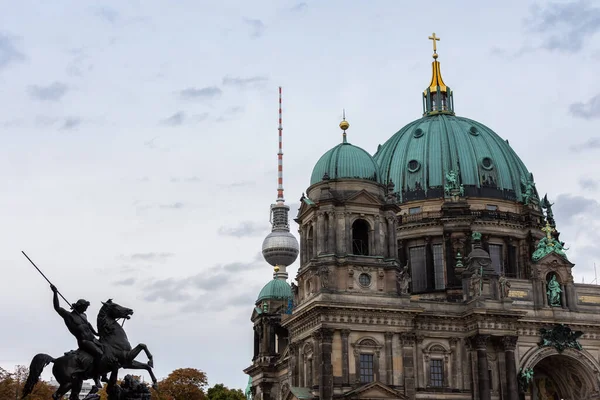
<point x="354" y="334"/>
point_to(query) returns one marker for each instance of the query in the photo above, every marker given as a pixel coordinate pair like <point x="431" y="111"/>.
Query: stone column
<point x="389" y="368"/>
<point x="377" y="238"/>
<point x="510" y="343"/>
<point x="256" y="343"/>
<point x="407" y="340"/>
<point x="293" y="364"/>
<point x="420" y="379"/>
<point x="326" y="368"/>
<point x="341" y="233"/>
<point x="302" y="234"/>
<point x="316" y="358"/>
<point x="348" y="230"/>
<point x="455" y="362"/>
<point x="571" y="296"/>
<point x="320" y="232"/>
<point x="345" y="357"/>
<point x="265" y="389"/>
<point x="563" y="296"/>
<point x="391" y="237"/>
<point x="331" y="228"/>
<point x="482" y="367"/>
<point x="315" y="239"/>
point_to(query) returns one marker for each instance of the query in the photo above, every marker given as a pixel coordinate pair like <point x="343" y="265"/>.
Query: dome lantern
<point x="437" y="98"/>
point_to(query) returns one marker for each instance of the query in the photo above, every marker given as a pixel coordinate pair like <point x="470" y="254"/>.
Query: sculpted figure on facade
<point x="324" y="276"/>
<point x="503" y="286"/>
<point x="475" y="284"/>
<point x="554" y="292"/>
<point x="403" y="278"/>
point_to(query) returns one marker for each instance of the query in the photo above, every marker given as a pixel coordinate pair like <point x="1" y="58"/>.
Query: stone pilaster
<point x="509" y="343"/>
<point x="571" y="296"/>
<point x="340" y="233"/>
<point x="377" y="248"/>
<point x="454" y="353"/>
<point x="391" y="237"/>
<point x="331" y="228"/>
<point x="320" y="232"/>
<point x="389" y="368"/>
<point x="316" y="358"/>
<point x="420" y="379"/>
<point x="407" y="341"/>
<point x="345" y="357"/>
<point x="293" y="364"/>
<point x="348" y="232"/>
<point x="265" y="390"/>
<point x="326" y="367"/>
<point x="482" y="367"/>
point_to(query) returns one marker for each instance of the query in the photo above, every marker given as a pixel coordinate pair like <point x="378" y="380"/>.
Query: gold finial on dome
<point x="276" y="268"/>
<point x="437" y="98"/>
<point x="344" y="125"/>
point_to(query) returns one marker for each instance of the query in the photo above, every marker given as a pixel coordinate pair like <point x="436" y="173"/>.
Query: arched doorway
<point x="570" y="375"/>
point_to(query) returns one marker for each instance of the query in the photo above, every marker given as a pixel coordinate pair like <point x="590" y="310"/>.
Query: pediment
<point x="554" y="259"/>
<point x="255" y="313"/>
<point x="374" y="390"/>
<point x="305" y="205"/>
<point x="364" y="197"/>
<point x="298" y="393"/>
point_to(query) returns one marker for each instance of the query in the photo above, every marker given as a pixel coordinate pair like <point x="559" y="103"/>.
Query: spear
<point x="32" y="263"/>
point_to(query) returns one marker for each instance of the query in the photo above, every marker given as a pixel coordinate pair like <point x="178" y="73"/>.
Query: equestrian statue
<point x="98" y="353"/>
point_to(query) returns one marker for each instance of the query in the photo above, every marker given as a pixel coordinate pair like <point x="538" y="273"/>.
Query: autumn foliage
<point x="11" y="385"/>
<point x="181" y="384"/>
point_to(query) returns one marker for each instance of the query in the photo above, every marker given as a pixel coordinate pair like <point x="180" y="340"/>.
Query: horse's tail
<point x="38" y="364"/>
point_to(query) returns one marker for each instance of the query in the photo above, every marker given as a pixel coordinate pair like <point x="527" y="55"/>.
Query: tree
<point x="183" y="384"/>
<point x="11" y="385"/>
<point x="222" y="392"/>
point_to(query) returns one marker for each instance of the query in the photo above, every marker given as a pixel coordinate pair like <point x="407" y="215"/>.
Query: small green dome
<point x="345" y="161"/>
<point x="276" y="289"/>
<point x="418" y="157"/>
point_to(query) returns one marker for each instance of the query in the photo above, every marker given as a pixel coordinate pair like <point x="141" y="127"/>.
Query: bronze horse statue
<point x="74" y="367"/>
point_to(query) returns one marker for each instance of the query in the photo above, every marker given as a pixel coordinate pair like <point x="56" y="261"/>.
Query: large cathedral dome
<point x="420" y="154"/>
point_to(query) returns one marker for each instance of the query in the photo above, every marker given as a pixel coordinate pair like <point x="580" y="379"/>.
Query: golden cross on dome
<point x="434" y="39"/>
<point x="548" y="230"/>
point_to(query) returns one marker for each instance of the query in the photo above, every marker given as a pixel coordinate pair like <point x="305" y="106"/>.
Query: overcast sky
<point x="139" y="138"/>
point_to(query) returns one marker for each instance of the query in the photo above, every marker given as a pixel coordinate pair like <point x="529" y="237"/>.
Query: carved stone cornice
<point x="407" y="338"/>
<point x="509" y="343"/>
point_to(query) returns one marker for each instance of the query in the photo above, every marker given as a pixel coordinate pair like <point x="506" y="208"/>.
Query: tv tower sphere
<point x="280" y="248"/>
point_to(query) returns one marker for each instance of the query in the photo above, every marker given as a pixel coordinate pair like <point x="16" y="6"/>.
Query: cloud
<point x="173" y="206"/>
<point x="245" y="82"/>
<point x="589" y="184"/>
<point x="230" y="114"/>
<point x="125" y="282"/>
<point x="587" y="110"/>
<point x="299" y="7"/>
<point x="106" y="13"/>
<point x="208" y="92"/>
<point x="568" y="208"/>
<point x="150" y="257"/>
<point x="590" y="144"/>
<point x="256" y="27"/>
<point x="52" y="92"/>
<point x="9" y="54"/>
<point x="236" y="185"/>
<point x="564" y="26"/>
<point x="71" y="123"/>
<point x="174" y="120"/>
<point x="191" y="179"/>
<point x="244" y="229"/>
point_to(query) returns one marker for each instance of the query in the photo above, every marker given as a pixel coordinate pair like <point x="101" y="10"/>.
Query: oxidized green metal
<point x="525" y="378"/>
<point x="476" y="237"/>
<point x="345" y="161"/>
<point x="560" y="337"/>
<point x="546" y="246"/>
<point x="554" y="292"/>
<point x="421" y="154"/>
<point x="276" y="289"/>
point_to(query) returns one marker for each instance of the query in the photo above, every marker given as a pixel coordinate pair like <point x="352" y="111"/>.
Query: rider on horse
<point x="77" y="323"/>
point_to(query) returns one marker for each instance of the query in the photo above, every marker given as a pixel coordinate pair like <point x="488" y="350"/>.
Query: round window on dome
<point x="487" y="163"/>
<point x="413" y="166"/>
<point x="473" y="131"/>
<point x="418" y="133"/>
<point x="364" y="279"/>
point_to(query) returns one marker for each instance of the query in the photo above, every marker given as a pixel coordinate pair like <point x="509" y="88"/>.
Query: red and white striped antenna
<point x="280" y="198"/>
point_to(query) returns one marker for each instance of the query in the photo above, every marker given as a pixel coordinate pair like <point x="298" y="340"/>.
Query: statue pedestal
<point x="130" y="389"/>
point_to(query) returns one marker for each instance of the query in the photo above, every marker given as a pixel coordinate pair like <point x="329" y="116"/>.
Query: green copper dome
<point x="276" y="289"/>
<point x="418" y="157"/>
<point x="345" y="161"/>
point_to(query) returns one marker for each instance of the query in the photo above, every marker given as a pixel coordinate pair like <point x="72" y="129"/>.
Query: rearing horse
<point x="71" y="369"/>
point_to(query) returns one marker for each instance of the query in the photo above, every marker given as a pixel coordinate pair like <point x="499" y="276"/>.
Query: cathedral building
<point x="432" y="269"/>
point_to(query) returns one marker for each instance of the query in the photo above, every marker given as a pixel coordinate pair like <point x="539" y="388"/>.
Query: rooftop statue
<point x="529" y="191"/>
<point x="94" y="357"/>
<point x="548" y="245"/>
<point x="452" y="187"/>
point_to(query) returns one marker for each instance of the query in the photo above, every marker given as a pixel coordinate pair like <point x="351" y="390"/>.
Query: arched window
<point x="366" y="359"/>
<point x="360" y="237"/>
